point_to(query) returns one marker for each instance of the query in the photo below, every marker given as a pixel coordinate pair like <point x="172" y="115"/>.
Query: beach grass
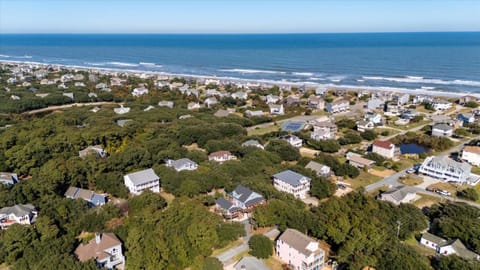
<point x="263" y="130"/>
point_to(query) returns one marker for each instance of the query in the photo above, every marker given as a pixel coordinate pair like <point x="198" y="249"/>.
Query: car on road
<point x="431" y="189"/>
<point x="341" y="186"/>
<point x="443" y="192"/>
<point x="411" y="170"/>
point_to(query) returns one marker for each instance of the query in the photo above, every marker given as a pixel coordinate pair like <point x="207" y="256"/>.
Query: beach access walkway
<point x="66" y="106"/>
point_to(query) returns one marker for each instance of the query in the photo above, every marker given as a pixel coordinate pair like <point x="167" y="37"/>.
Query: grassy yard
<point x="273" y="263"/>
<point x="445" y="186"/>
<point x="426" y="201"/>
<point x="475" y="170"/>
<point x="411" y="180"/>
<point x="263" y="130"/>
<point x="424" y="251"/>
<point x="364" y="179"/>
<point x="390" y="131"/>
<point x="221" y="250"/>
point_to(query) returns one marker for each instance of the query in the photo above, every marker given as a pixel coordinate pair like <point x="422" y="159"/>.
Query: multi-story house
<point x="338" y="106"/>
<point x="319" y="169"/>
<point x="446" y="169"/>
<point x="8" y="179"/>
<point x="24" y="214"/>
<point x="292" y="140"/>
<point x="105" y="249"/>
<point x="441" y="105"/>
<point x="315" y="103"/>
<point x="466" y="118"/>
<point x="291" y="182"/>
<point x="471" y="154"/>
<point x="89" y="196"/>
<point x="240" y="200"/>
<point x="138" y="182"/>
<point x="363" y="125"/>
<point x="375" y="104"/>
<point x="401" y="99"/>
<point x="276" y="109"/>
<point x="442" y="130"/>
<point x="385" y="149"/>
<point x="299" y="251"/>
<point x="221" y="156"/>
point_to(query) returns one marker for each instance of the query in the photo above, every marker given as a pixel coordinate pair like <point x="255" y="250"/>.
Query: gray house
<point x="91" y="197"/>
<point x="8" y="179"/>
<point x="241" y="200"/>
<point x="442" y="130"/>
<point x="183" y="164"/>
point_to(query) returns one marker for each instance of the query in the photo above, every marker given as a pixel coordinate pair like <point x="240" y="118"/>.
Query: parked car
<point x="411" y="170"/>
<point x="341" y="186"/>
<point x="443" y="192"/>
<point x="431" y="189"/>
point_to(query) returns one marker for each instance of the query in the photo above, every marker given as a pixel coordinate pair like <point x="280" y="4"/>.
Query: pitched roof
<point x="18" y="210"/>
<point x="142" y="177"/>
<point x="250" y="263"/>
<point x="472" y="149"/>
<point x="220" y="154"/>
<point x="434" y="239"/>
<point x="442" y="126"/>
<point x="315" y="166"/>
<point x="446" y="161"/>
<point x="384" y="144"/>
<point x="92" y="250"/>
<point x="298" y="241"/>
<point x="291" y="177"/>
<point x="243" y="194"/>
<point x="181" y="162"/>
<point x="460" y="249"/>
<point x="397" y="194"/>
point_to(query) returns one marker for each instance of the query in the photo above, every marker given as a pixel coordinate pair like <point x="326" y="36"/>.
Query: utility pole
<point x="398" y="227"/>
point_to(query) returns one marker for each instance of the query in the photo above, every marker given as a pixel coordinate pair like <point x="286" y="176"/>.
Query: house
<point x="291" y="182"/>
<point x="392" y="109"/>
<point x="276" y="109"/>
<point x="358" y="161"/>
<point x="442" y="130"/>
<point x="8" y="179"/>
<point x="165" y="103"/>
<point x="240" y="95"/>
<point x="210" y="102"/>
<point x="320" y="91"/>
<point x="409" y="114"/>
<point x="299" y="251"/>
<point x="79" y="84"/>
<point x="123" y="122"/>
<point x="375" y="118"/>
<point x="385" y="149"/>
<point x="319" y="169"/>
<point x="101" y="86"/>
<point x="96" y="149"/>
<point x="441" y="105"/>
<point x="465" y="99"/>
<point x="240" y="200"/>
<point x="139" y="91"/>
<point x="91" y="197"/>
<point x="375" y="104"/>
<point x="249" y="113"/>
<point x="418" y="99"/>
<point x="471" y="154"/>
<point x="212" y="92"/>
<point x="69" y="95"/>
<point x="398" y="196"/>
<point x="322" y="133"/>
<point x="444" y="247"/>
<point x="250" y="263"/>
<point x="105" y="249"/>
<point x="121" y="110"/>
<point x="338" y="106"/>
<point x="92" y="95"/>
<point x="140" y="181"/>
<point x="253" y="143"/>
<point x="292" y="140"/>
<point x="272" y="99"/>
<point x="325" y="123"/>
<point x="24" y="214"/>
<point x="183" y="164"/>
<point x="315" y="103"/>
<point x="446" y="169"/>
<point x="221" y="156"/>
<point x="466" y="118"/>
<point x="401" y="99"/>
<point x="363" y="125"/>
<point x="193" y="106"/>
<point x="292" y="101"/>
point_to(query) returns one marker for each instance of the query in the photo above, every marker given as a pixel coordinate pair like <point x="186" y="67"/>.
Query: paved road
<point x="453" y="199"/>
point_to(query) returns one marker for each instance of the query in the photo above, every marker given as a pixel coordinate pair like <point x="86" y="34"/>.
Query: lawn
<point x="390" y="131"/>
<point x="364" y="179"/>
<point x="424" y="251"/>
<point x="411" y="180"/>
<point x="475" y="170"/>
<point x="426" y="201"/>
<point x="445" y="186"/>
<point x="273" y="263"/>
<point x="262" y="130"/>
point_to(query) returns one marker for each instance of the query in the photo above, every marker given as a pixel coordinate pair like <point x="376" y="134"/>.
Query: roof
<point x="442" y="126"/>
<point x="359" y="159"/>
<point x="181" y="162"/>
<point x="8" y="177"/>
<point x="460" y="249"/>
<point x="291" y="177"/>
<point x="18" y="210"/>
<point x="92" y="250"/>
<point x="315" y="166"/>
<point x="433" y="238"/>
<point x="472" y="149"/>
<point x="446" y="161"/>
<point x="251" y="143"/>
<point x="227" y="205"/>
<point x="250" y="263"/>
<point x="220" y="154"/>
<point x="243" y="194"/>
<point x="384" y="144"/>
<point x="297" y="240"/>
<point x="142" y="177"/>
<point x="397" y="194"/>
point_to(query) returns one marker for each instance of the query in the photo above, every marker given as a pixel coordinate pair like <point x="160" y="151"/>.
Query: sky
<point x="237" y="16"/>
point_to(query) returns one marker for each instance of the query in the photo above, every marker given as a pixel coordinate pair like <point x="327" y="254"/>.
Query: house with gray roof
<point x="92" y="198"/>
<point x="298" y="250"/>
<point x="292" y="182"/>
<point x="183" y="164"/>
<point x="253" y="143"/>
<point x="93" y="150"/>
<point x="8" y="179"/>
<point x="166" y="103"/>
<point x="398" y="196"/>
<point x="445" y="248"/>
<point x="446" y="169"/>
<point x="140" y="181"/>
<point x="250" y="263"/>
<point x="442" y="130"/>
<point x="24" y="214"/>
<point x="319" y="169"/>
<point x="240" y="200"/>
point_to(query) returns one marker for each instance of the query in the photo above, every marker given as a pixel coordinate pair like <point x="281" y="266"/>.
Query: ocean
<point x="447" y="62"/>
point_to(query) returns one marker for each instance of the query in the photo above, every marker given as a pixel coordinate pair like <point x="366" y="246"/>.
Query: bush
<point x="469" y="194"/>
<point x="260" y="246"/>
<point x="471" y="104"/>
<point x="369" y="135"/>
<point x="328" y="146"/>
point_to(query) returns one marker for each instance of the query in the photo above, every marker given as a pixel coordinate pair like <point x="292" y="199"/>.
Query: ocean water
<point x="424" y="61"/>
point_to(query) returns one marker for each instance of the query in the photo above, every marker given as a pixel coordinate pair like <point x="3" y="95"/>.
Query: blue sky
<point x="237" y="16"/>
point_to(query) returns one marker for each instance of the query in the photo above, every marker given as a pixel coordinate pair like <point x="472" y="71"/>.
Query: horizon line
<point x="234" y="33"/>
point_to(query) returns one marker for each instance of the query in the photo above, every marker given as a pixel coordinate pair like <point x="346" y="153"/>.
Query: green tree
<point x="260" y="246"/>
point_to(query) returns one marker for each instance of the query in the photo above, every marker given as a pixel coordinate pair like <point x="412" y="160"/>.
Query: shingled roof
<point x="94" y="250"/>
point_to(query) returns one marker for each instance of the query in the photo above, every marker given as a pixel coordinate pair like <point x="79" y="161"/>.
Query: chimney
<point x="98" y="238"/>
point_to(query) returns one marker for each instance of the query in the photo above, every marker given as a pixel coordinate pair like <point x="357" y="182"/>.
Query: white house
<point x="95" y="149"/>
<point x="445" y="169"/>
<point x="291" y="182"/>
<point x="276" y="109"/>
<point x="471" y="154"/>
<point x="375" y="118"/>
<point x="165" y="103"/>
<point x="338" y="106"/>
<point x="121" y="110"/>
<point x="253" y="143"/>
<point x="193" y="106"/>
<point x="441" y="105"/>
<point x="445" y="248"/>
<point x="24" y="214"/>
<point x="8" y="179"/>
<point x="249" y="113"/>
<point x="375" y="103"/>
<point x="322" y="133"/>
<point x="442" y="130"/>
<point x="319" y="169"/>
<point x="183" y="164"/>
<point x="139" y="181"/>
<point x="139" y="91"/>
<point x="398" y="196"/>
<point x="292" y="140"/>
<point x="385" y="149"/>
<point x="272" y="99"/>
<point x="105" y="249"/>
<point x="221" y="156"/>
<point x="299" y="251"/>
<point x="210" y="102"/>
<point x="363" y="125"/>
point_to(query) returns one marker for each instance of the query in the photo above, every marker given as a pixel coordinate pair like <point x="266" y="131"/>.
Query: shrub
<point x="260" y="246"/>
